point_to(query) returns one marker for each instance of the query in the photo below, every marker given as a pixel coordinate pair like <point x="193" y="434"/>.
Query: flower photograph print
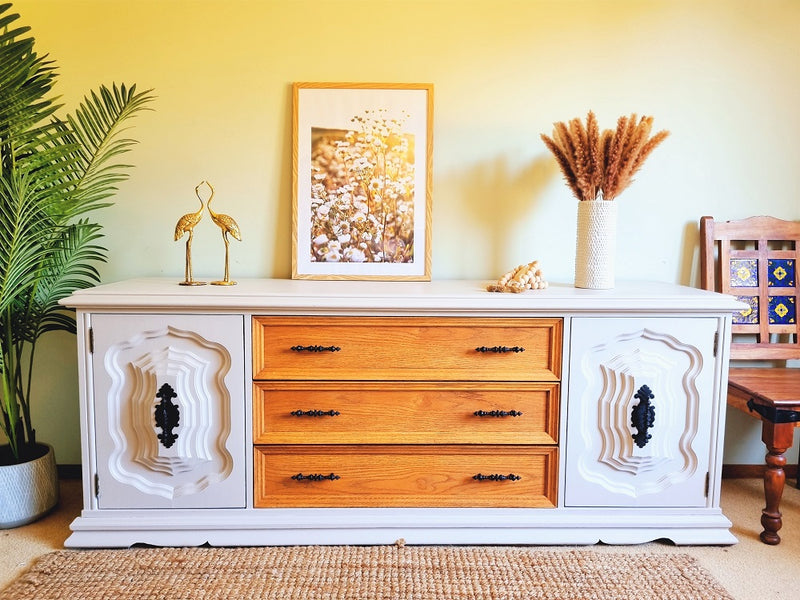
<point x="361" y="180"/>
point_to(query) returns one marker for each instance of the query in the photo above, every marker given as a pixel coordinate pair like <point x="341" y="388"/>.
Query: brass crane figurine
<point x="227" y="225"/>
<point x="187" y="224"/>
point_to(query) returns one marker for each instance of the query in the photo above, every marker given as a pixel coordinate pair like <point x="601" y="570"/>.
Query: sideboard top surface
<point x="279" y="295"/>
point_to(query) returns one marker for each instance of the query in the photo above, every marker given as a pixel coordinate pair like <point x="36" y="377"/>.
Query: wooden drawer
<point x="406" y="348"/>
<point x="411" y="413"/>
<point x="405" y="476"/>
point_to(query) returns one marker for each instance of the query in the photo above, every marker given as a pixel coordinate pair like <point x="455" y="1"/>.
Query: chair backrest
<point x="756" y="260"/>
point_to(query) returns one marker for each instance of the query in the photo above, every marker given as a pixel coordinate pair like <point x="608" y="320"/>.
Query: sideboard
<point x="360" y="412"/>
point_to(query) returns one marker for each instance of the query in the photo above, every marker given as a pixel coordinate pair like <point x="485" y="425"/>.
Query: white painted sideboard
<point x="353" y="412"/>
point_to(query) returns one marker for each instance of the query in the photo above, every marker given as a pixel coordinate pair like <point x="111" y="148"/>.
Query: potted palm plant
<point x="53" y="172"/>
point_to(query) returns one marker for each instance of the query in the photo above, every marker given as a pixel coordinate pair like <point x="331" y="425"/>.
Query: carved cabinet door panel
<point x="169" y="410"/>
<point x="640" y="410"/>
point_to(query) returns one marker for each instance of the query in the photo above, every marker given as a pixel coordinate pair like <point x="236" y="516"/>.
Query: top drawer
<point x="406" y="348"/>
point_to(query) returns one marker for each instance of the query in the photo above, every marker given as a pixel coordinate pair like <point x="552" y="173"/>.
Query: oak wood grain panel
<point x="407" y="348"/>
<point x="405" y="476"/>
<point x="410" y="413"/>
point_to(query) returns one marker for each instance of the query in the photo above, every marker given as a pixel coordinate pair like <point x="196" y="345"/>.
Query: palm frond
<point x="26" y="80"/>
<point x="24" y="227"/>
<point x="70" y="267"/>
<point x="97" y="127"/>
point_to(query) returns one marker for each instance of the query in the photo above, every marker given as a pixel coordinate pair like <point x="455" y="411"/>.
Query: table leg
<point x="778" y="438"/>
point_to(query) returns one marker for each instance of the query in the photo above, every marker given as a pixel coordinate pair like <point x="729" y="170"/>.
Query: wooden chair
<point x="756" y="260"/>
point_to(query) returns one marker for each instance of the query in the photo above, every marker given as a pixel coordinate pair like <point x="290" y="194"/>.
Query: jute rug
<point x="372" y="572"/>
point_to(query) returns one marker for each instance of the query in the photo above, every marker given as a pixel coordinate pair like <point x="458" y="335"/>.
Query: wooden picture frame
<point x="361" y="180"/>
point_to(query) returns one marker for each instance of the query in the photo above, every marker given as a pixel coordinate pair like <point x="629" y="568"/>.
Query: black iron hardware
<point x="774" y="414"/>
<point x="167" y="415"/>
<point x="315" y="413"/>
<point x="643" y="415"/>
<point x="315" y="477"/>
<point x="497" y="477"/>
<point x="315" y="348"/>
<point x="499" y="349"/>
<point x="497" y="413"/>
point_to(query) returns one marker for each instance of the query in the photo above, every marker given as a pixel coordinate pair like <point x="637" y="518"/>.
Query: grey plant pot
<point x="28" y="491"/>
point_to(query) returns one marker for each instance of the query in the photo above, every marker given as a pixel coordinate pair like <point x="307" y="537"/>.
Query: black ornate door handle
<point x="643" y="415"/>
<point x="499" y="349"/>
<point x="496" y="477"/>
<point x="315" y="477"/>
<point x="315" y="348"/>
<point x="315" y="413"/>
<point x="497" y="413"/>
<point x="167" y="415"/>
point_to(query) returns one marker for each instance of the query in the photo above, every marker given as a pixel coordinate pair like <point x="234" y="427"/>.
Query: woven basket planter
<point x="596" y="244"/>
<point x="28" y="490"/>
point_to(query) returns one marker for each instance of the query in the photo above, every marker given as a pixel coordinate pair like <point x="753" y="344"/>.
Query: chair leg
<point x="778" y="438"/>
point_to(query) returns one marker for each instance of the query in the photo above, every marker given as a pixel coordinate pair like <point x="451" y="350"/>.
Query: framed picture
<point x="361" y="164"/>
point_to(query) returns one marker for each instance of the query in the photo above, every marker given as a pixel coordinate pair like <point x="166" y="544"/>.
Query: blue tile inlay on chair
<point x="782" y="310"/>
<point x="747" y="316"/>
<point x="781" y="272"/>
<point x="744" y="272"/>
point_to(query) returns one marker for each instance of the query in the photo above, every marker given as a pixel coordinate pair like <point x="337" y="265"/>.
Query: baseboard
<point x="754" y="471"/>
<point x="69" y="471"/>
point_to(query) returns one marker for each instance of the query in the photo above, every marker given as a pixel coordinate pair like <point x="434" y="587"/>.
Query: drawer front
<point x="353" y="413"/>
<point x="406" y="348"/>
<point x="405" y="476"/>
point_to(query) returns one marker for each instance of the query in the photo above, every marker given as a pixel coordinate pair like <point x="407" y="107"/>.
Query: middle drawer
<point x="410" y="413"/>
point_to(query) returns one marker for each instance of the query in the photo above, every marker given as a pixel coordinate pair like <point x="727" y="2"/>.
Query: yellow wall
<point x="721" y="75"/>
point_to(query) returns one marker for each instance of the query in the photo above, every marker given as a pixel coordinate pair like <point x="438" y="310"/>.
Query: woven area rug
<point x="371" y="572"/>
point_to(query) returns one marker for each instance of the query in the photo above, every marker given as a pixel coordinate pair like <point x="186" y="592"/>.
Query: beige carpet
<point x="374" y="572"/>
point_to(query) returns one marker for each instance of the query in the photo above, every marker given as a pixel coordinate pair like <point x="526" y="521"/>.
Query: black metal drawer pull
<point x="497" y="413"/>
<point x="497" y="477"/>
<point x="315" y="477"/>
<point x="499" y="349"/>
<point x="315" y="413"/>
<point x="315" y="348"/>
<point x="643" y="416"/>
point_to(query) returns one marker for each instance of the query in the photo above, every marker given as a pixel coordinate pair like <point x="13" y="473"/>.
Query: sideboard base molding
<point x="289" y="527"/>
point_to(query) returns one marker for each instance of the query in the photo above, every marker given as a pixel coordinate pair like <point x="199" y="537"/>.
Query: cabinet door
<point x="613" y="361"/>
<point x="169" y="410"/>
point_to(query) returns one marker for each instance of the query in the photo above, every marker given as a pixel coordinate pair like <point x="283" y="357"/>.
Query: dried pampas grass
<point x="596" y="163"/>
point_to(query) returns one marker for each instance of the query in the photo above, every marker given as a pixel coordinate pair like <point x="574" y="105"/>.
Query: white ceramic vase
<point x="596" y="244"/>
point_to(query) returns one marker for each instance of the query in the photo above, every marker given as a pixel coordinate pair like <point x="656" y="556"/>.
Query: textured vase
<point x="28" y="490"/>
<point x="596" y="244"/>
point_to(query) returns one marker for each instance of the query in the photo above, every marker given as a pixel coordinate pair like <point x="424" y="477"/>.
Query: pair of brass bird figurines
<point x="187" y="223"/>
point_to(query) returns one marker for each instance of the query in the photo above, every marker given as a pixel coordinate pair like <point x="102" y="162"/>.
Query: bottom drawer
<point x="405" y="476"/>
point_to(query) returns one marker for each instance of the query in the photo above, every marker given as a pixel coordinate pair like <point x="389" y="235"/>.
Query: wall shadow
<point x="281" y="241"/>
<point x="492" y="200"/>
<point x="689" y="267"/>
